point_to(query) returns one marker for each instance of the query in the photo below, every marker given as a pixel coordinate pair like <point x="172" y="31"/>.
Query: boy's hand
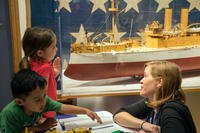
<point x="57" y="66"/>
<point x="93" y="116"/>
<point x="47" y="124"/>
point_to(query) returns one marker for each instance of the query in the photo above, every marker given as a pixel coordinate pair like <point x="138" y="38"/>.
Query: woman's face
<point x="149" y="84"/>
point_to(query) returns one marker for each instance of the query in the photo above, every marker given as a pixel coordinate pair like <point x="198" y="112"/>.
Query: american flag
<point x="70" y="19"/>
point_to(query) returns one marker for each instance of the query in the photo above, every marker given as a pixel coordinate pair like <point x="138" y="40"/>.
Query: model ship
<point x="181" y="44"/>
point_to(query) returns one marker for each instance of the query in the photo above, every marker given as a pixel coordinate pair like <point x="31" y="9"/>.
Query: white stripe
<point x="135" y="56"/>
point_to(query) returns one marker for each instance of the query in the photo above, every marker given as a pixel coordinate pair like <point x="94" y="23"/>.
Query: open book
<point x="87" y="122"/>
<point x="83" y="121"/>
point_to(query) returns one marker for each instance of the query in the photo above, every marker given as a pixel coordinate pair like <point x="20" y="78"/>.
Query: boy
<point x="30" y="102"/>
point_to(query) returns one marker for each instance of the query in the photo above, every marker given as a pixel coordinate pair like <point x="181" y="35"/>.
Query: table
<point x="83" y="121"/>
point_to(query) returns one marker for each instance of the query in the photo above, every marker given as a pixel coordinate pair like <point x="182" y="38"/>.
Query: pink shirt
<point x="46" y="70"/>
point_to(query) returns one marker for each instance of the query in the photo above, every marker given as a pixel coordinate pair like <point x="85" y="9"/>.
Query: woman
<point x="163" y="109"/>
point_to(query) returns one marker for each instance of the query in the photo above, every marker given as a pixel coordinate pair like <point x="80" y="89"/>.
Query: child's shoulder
<point x="42" y="68"/>
<point x="12" y="109"/>
<point x="39" y="65"/>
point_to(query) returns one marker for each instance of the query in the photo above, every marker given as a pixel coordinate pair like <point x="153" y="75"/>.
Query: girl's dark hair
<point x="25" y="81"/>
<point x="34" y="39"/>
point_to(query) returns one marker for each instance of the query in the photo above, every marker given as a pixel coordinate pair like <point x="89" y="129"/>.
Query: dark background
<point x="5" y="54"/>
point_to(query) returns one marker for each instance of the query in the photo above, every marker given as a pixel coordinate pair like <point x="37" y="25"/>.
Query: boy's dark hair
<point x="25" y="81"/>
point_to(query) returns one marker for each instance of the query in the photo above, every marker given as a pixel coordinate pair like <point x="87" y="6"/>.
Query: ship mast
<point x="113" y="10"/>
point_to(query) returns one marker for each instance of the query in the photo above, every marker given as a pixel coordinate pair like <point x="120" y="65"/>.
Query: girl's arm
<point x="57" y="66"/>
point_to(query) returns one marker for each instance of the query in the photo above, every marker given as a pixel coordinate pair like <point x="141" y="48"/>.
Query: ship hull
<point x="110" y="65"/>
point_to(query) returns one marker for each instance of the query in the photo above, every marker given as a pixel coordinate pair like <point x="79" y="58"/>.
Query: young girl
<point x="39" y="45"/>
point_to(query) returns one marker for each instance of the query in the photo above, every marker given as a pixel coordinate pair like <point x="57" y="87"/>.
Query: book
<point x="83" y="121"/>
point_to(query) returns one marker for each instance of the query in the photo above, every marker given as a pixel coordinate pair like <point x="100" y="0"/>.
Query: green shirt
<point x="13" y="119"/>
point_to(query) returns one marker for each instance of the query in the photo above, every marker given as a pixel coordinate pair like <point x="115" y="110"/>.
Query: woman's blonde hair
<point x="171" y="77"/>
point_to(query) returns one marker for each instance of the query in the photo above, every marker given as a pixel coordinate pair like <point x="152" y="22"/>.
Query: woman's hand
<point x="141" y="131"/>
<point x="93" y="116"/>
<point x="57" y="66"/>
<point x="150" y="127"/>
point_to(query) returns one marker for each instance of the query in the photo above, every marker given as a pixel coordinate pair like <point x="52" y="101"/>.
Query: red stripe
<point x="112" y="70"/>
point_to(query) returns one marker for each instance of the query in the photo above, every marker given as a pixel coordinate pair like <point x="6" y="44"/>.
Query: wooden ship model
<point x="101" y="60"/>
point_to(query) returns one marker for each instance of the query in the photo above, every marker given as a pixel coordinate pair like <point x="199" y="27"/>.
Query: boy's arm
<point x="71" y="109"/>
<point x="47" y="124"/>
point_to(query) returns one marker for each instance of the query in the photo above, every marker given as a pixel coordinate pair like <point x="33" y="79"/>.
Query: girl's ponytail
<point x="24" y="63"/>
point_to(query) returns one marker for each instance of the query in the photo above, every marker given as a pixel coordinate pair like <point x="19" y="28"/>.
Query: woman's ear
<point x="159" y="82"/>
<point x="19" y="101"/>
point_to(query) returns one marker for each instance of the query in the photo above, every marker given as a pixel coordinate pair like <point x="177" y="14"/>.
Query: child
<point x="30" y="102"/>
<point x="39" y="45"/>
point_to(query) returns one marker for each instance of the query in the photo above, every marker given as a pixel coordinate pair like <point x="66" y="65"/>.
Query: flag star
<point x="132" y="4"/>
<point x="117" y="34"/>
<point x="98" y="4"/>
<point x="64" y="4"/>
<point x="56" y="10"/>
<point x="163" y="4"/>
<point x="81" y="36"/>
<point x="194" y="4"/>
